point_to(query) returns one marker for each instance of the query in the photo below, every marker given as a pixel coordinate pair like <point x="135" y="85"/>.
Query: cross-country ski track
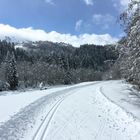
<point x="86" y="111"/>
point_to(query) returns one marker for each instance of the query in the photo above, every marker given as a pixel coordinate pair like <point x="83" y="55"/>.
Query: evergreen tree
<point x="11" y="75"/>
<point x="129" y="59"/>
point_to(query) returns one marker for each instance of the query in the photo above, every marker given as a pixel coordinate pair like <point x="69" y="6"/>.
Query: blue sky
<point x="74" y="17"/>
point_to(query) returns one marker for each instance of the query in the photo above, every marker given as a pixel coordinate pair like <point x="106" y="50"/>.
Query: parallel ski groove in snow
<point x="45" y="131"/>
<point x="23" y="122"/>
<point x="80" y="112"/>
<point x="41" y="131"/>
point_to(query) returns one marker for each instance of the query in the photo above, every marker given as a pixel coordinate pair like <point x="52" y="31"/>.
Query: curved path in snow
<point x="82" y="112"/>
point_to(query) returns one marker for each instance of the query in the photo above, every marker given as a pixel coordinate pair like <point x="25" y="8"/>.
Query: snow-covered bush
<point x="4" y="86"/>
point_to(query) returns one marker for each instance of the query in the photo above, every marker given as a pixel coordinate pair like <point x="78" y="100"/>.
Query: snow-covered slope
<point x="87" y="111"/>
<point x="123" y="95"/>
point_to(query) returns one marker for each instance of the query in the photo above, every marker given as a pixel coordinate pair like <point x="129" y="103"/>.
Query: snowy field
<point x="107" y="110"/>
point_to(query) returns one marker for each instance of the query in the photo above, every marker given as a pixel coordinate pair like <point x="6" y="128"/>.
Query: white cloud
<point x="49" y="2"/>
<point x="88" y="2"/>
<point x="78" y="25"/>
<point x="121" y="4"/>
<point x="124" y="3"/>
<point x="97" y="18"/>
<point x="104" y="20"/>
<point x="30" y="34"/>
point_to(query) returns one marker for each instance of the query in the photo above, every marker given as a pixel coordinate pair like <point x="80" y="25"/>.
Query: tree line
<point x="53" y="63"/>
<point x="127" y="65"/>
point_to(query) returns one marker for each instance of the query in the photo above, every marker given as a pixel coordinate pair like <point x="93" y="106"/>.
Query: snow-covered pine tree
<point x="11" y="75"/>
<point x="130" y="60"/>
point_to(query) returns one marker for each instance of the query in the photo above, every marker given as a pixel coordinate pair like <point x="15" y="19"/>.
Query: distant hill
<point x="58" y="63"/>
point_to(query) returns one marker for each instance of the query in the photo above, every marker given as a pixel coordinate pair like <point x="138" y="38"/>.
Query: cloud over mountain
<point x="31" y="34"/>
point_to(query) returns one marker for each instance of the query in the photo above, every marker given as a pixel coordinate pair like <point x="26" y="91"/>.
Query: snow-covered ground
<point x="107" y="110"/>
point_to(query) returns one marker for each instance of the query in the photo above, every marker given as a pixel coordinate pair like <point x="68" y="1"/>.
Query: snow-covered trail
<point x="82" y="112"/>
<point x="89" y="115"/>
<point x="29" y="118"/>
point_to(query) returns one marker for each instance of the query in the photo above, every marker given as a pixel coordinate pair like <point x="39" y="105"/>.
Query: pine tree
<point x="130" y="58"/>
<point x="11" y="75"/>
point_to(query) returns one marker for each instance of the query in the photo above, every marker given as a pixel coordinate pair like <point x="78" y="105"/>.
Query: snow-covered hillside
<point x="105" y="110"/>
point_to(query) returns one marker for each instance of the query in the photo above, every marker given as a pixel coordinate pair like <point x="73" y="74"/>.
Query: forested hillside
<point x="57" y="63"/>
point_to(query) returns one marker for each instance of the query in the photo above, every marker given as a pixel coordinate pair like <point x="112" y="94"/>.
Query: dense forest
<point x="55" y="63"/>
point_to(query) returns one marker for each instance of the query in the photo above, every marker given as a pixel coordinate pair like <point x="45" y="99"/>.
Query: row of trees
<point x="128" y="64"/>
<point x="49" y="63"/>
